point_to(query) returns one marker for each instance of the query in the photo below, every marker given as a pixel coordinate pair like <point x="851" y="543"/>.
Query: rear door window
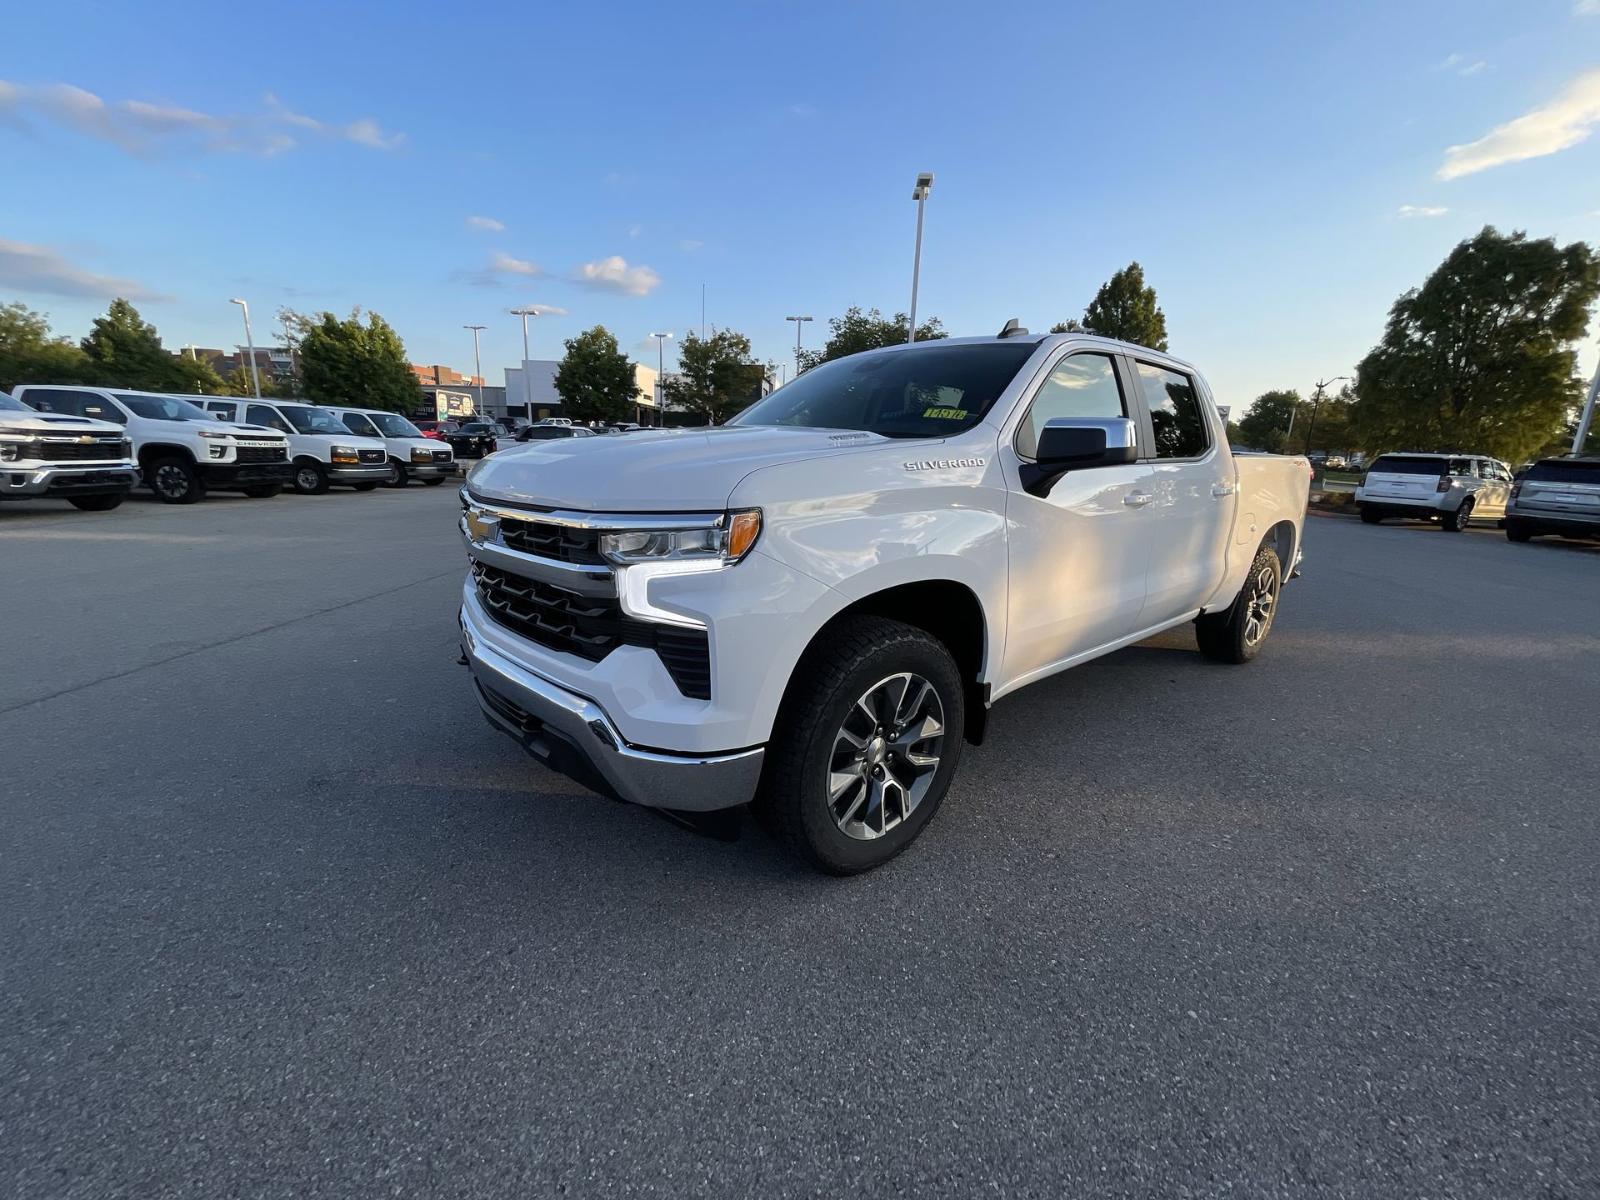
<point x="1177" y="418"/>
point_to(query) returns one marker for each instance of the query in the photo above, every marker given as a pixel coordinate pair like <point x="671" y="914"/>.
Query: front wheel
<point x="1456" y="522"/>
<point x="1236" y="634"/>
<point x="103" y="503"/>
<point x="310" y="478"/>
<point x="397" y="474"/>
<point x="1370" y="515"/>
<point x="176" y="481"/>
<point x="1516" y="531"/>
<point x="435" y="481"/>
<point x="871" y="733"/>
<point x="363" y="487"/>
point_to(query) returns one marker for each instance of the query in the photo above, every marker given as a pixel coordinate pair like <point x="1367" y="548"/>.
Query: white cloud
<point x="690" y="245"/>
<point x="487" y="224"/>
<point x="1586" y="8"/>
<point x="614" y="273"/>
<point x="1473" y="68"/>
<point x="1461" y="65"/>
<point x="1554" y="127"/>
<point x="506" y="265"/>
<point x="635" y="230"/>
<point x="38" y="269"/>
<point x="144" y="128"/>
<point x="1421" y="210"/>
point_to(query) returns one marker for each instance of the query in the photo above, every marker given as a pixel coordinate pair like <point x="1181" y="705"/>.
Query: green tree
<point x="857" y="331"/>
<point x="1481" y="356"/>
<point x="238" y="382"/>
<point x="1266" y="425"/>
<point x="353" y="361"/>
<point x="29" y="353"/>
<point x="716" y="375"/>
<point x="1124" y="308"/>
<point x="124" y="350"/>
<point x="595" y="379"/>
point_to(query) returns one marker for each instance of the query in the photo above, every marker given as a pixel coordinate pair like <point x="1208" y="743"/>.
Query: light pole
<point x="1581" y="437"/>
<point x="1316" y="403"/>
<point x="920" y="195"/>
<point x="799" y="324"/>
<point x="477" y="365"/>
<point x="250" y="343"/>
<point x="661" y="360"/>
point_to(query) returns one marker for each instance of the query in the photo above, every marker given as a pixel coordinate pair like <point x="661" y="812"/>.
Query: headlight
<point x="727" y="540"/>
<point x="420" y="455"/>
<point x="13" y="451"/>
<point x="208" y="433"/>
<point x="344" y="454"/>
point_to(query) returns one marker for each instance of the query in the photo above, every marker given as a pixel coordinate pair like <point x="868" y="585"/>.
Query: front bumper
<point x="226" y="475"/>
<point x="431" y="470"/>
<point x="573" y="735"/>
<point x="74" y="480"/>
<point x="364" y="473"/>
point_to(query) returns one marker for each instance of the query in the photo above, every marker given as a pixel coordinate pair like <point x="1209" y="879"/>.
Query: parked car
<point x="512" y="424"/>
<point x="411" y="456"/>
<point x="87" y="463"/>
<point x="182" y="451"/>
<point x="1453" y="489"/>
<point x="822" y="598"/>
<point x="544" y="433"/>
<point x="1556" y="496"/>
<point x="623" y="427"/>
<point x="322" y="451"/>
<point x="474" y="439"/>
<point x="436" y="430"/>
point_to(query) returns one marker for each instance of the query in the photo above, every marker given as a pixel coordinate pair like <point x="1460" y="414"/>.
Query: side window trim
<point x="1119" y="375"/>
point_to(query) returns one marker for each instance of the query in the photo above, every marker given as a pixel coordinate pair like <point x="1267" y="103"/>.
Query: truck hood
<point x="665" y="470"/>
<point x="16" y="422"/>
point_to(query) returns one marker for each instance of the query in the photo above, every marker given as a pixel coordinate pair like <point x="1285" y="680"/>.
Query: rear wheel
<point x="1370" y="515"/>
<point x="103" y="503"/>
<point x="310" y="478"/>
<point x="1516" y="531"/>
<point x="397" y="474"/>
<point x="1236" y="634"/>
<point x="175" y="480"/>
<point x="871" y="733"/>
<point x="1456" y="522"/>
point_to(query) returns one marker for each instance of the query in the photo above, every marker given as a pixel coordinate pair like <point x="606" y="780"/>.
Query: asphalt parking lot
<point x="282" y="916"/>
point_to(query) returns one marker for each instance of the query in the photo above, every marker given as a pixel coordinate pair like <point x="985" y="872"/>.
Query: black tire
<point x="1371" y="516"/>
<point x="1229" y="636"/>
<point x="1516" y="531"/>
<point x="103" y="503"/>
<point x="310" y="478"/>
<point x="435" y="481"/>
<point x="398" y="475"/>
<point x="263" y="491"/>
<point x="175" y="480"/>
<point x="1456" y="522"/>
<point x="363" y="487"/>
<point x="857" y="656"/>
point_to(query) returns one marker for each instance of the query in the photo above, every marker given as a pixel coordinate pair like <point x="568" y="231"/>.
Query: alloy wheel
<point x="1262" y="606"/>
<point x="171" y="481"/>
<point x="885" y="755"/>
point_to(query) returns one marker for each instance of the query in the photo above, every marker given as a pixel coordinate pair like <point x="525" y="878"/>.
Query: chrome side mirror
<point x="1078" y="443"/>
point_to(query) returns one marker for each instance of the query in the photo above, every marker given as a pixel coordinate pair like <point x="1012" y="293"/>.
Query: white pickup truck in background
<point x="814" y="606"/>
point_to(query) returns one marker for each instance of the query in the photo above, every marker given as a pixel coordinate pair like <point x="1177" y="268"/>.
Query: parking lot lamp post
<point x="250" y="345"/>
<point x="799" y="324"/>
<point x="661" y="359"/>
<point x="1587" y="419"/>
<point x="1316" y="403"/>
<point x="920" y="195"/>
<point x="477" y="365"/>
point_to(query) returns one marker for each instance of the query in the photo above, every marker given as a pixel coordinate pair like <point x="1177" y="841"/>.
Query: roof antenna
<point x="1012" y="329"/>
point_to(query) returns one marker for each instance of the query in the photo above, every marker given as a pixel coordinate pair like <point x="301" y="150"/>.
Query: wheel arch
<point x="153" y="450"/>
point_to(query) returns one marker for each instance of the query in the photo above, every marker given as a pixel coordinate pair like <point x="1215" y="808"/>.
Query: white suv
<point x="1453" y="489"/>
<point x="411" y="456"/>
<point x="182" y="450"/>
<point x="324" y="452"/>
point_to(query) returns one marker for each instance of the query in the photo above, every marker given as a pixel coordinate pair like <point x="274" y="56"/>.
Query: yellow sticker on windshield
<point x="945" y="414"/>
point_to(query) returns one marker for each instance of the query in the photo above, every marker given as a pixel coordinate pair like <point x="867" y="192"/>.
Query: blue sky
<point x="1282" y="171"/>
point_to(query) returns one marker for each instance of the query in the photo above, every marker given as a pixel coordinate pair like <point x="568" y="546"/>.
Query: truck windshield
<point x="9" y="403"/>
<point x="918" y="393"/>
<point x="163" y="408"/>
<point x="394" y="425"/>
<point x="312" y="420"/>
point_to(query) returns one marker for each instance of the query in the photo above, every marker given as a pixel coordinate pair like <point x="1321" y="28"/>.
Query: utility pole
<point x="661" y="361"/>
<point x="477" y="365"/>
<point x="1316" y="403"/>
<point x="920" y="195"/>
<point x="799" y="324"/>
<point x="1586" y="420"/>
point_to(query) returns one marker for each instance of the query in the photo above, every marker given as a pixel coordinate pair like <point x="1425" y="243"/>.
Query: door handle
<point x="1137" y="499"/>
<point x="1221" y="489"/>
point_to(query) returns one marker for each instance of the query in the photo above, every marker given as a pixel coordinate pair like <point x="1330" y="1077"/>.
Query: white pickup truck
<point x="87" y="463"/>
<point x="813" y="606"/>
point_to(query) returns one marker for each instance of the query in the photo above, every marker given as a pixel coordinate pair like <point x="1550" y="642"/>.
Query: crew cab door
<point x="1078" y="555"/>
<point x="1192" y="486"/>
